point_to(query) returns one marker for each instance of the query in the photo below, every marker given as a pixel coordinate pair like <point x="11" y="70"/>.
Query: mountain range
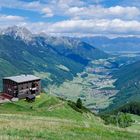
<point x="59" y="59"/>
<point x="118" y="44"/>
<point x="54" y="59"/>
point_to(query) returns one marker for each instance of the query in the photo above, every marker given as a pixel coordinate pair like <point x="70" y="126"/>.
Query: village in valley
<point x="95" y="85"/>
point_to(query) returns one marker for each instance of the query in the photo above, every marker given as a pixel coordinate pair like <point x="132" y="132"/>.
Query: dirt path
<point x="55" y="106"/>
<point x="86" y="124"/>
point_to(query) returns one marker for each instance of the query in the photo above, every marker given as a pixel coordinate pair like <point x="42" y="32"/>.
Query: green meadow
<point x="49" y="118"/>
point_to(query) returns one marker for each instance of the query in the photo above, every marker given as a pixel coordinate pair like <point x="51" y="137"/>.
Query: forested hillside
<point x="52" y="59"/>
<point x="128" y="84"/>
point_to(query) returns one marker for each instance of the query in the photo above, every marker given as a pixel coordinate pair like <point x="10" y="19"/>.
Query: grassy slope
<point x="51" y="118"/>
<point x="136" y="125"/>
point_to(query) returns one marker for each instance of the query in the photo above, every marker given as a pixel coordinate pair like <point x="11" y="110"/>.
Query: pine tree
<point x="79" y="103"/>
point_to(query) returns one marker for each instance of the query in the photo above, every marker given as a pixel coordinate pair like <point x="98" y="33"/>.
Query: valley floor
<point x="94" y="85"/>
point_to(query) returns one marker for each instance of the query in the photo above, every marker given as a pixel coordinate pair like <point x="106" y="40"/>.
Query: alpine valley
<point x="71" y="68"/>
<point x="84" y="88"/>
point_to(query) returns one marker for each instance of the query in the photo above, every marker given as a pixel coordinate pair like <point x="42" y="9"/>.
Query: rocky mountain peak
<point x="18" y="33"/>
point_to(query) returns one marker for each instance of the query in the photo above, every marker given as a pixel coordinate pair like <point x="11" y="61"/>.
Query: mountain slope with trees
<point x="54" y="59"/>
<point x="128" y="84"/>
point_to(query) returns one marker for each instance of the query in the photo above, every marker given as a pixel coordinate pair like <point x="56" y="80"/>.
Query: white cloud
<point x="10" y="18"/>
<point x="76" y="9"/>
<point x="83" y="19"/>
<point x="47" y="12"/>
<point x="20" y="4"/>
<point x="95" y="26"/>
<point x="31" y="6"/>
<point x="107" y="27"/>
<point x="77" y="28"/>
<point x="73" y="27"/>
<point x="101" y="12"/>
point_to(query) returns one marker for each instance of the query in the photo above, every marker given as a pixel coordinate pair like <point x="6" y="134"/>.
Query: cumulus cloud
<point x="85" y="18"/>
<point x="47" y="12"/>
<point x="31" y="6"/>
<point x="74" y="9"/>
<point x="95" y="26"/>
<point x="9" y="18"/>
<point x="106" y="27"/>
<point x="77" y="28"/>
<point x="101" y="12"/>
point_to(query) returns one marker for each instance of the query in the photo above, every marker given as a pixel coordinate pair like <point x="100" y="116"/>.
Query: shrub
<point x="120" y="119"/>
<point x="74" y="106"/>
<point x="79" y="103"/>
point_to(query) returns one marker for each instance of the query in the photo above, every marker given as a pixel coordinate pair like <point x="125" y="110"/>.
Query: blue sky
<point x="73" y="17"/>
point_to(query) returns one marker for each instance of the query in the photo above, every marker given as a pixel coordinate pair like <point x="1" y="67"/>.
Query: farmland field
<point x="94" y="85"/>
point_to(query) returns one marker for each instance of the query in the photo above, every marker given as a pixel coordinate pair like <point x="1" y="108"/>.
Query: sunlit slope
<point x="51" y="118"/>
